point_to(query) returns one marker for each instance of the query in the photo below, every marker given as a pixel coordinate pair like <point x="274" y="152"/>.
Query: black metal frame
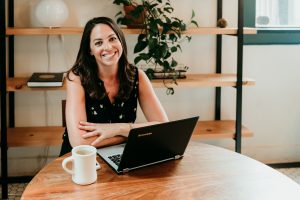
<point x="239" y="84"/>
<point x="4" y="171"/>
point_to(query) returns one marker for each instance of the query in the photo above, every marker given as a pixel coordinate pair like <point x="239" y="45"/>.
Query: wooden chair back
<point x="63" y="108"/>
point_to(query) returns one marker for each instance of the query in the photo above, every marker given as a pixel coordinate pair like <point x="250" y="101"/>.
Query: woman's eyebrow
<point x="99" y="39"/>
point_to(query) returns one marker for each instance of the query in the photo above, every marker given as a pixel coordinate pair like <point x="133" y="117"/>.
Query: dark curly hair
<point x="86" y="67"/>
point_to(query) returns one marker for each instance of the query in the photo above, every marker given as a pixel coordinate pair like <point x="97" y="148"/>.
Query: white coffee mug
<point x="84" y="167"/>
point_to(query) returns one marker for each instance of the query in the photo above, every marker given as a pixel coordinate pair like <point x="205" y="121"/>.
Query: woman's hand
<point x="103" y="131"/>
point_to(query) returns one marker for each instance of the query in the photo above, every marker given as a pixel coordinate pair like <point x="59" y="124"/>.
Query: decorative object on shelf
<point x="133" y="20"/>
<point x="222" y="23"/>
<point x="160" y="37"/>
<point x="44" y="79"/>
<point x="51" y="13"/>
<point x="160" y="74"/>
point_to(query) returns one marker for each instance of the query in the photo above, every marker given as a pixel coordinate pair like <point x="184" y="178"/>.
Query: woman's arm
<point x="149" y="102"/>
<point x="100" y="133"/>
<point x="76" y="115"/>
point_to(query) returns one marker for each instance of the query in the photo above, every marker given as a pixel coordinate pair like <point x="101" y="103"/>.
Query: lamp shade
<point x="51" y="13"/>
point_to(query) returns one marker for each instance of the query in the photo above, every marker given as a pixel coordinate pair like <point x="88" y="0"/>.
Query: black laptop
<point x="150" y="145"/>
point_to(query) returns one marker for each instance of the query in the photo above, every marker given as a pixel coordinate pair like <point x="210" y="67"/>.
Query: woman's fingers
<point x="87" y="127"/>
<point x="86" y="123"/>
<point x="91" y="134"/>
<point x="98" y="140"/>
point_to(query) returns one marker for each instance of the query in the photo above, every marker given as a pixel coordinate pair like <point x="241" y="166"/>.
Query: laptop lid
<point x="152" y="144"/>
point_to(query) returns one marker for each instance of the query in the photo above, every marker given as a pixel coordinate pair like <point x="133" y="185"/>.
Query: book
<point x="169" y="75"/>
<point x="46" y="79"/>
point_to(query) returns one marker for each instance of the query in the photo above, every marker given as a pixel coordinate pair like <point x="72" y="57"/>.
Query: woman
<point x="103" y="90"/>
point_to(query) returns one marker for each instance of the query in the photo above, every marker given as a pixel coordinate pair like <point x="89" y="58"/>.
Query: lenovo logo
<point x="144" y="134"/>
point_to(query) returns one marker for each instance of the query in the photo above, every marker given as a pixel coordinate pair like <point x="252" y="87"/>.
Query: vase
<point x="51" y="13"/>
<point x="135" y="22"/>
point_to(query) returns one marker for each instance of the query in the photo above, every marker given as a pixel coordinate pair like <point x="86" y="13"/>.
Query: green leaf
<point x="150" y="73"/>
<point x="137" y="59"/>
<point x="169" y="9"/>
<point x="153" y="43"/>
<point x="140" y="46"/>
<point x="189" y="38"/>
<point x="179" y="47"/>
<point x="195" y="23"/>
<point x="164" y="50"/>
<point x="119" y="13"/>
<point x="167" y="55"/>
<point x="193" y="14"/>
<point x="166" y="66"/>
<point x="170" y="91"/>
<point x="172" y="37"/>
<point x="173" y="63"/>
<point x="153" y="5"/>
<point x="141" y="37"/>
<point x="137" y="12"/>
<point x="173" y="49"/>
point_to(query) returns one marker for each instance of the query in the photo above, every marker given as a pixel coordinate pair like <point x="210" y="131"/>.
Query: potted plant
<point x="160" y="37"/>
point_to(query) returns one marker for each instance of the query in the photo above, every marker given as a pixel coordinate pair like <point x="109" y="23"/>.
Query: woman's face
<point x="105" y="46"/>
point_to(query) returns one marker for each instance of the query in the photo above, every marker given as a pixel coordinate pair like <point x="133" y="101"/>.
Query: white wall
<point x="270" y="109"/>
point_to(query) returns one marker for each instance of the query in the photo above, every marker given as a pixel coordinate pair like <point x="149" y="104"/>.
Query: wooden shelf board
<point x="52" y="135"/>
<point x="192" y="80"/>
<point x="203" y="80"/>
<point x="44" y="31"/>
<point x="218" y="129"/>
<point x="34" y="136"/>
<point x="78" y="30"/>
<point x="20" y="84"/>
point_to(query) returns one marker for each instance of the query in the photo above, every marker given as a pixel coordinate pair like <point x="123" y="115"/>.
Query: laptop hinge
<point x="177" y="157"/>
<point x="125" y="170"/>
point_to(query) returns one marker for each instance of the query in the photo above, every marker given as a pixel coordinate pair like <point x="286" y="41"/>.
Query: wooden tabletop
<point x="205" y="172"/>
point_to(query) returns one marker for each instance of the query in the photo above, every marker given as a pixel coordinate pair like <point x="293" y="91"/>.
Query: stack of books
<point x="46" y="79"/>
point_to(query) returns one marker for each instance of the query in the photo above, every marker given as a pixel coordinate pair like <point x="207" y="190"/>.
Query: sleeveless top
<point x="103" y="111"/>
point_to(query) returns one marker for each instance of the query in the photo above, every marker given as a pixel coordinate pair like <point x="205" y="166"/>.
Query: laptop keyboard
<point x="116" y="158"/>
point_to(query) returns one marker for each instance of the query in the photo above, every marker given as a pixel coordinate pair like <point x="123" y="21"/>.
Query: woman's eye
<point x="113" y="39"/>
<point x="99" y="43"/>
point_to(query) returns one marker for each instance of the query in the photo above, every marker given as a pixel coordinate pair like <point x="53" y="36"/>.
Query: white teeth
<point x="108" y="55"/>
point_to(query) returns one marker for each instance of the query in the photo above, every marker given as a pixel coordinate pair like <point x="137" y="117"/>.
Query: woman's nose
<point x="106" y="46"/>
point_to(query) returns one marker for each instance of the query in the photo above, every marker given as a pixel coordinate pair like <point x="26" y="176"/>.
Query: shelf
<point x="34" y="136"/>
<point x="78" y="30"/>
<point x="20" y="84"/>
<point x="203" y="80"/>
<point x="218" y="129"/>
<point x="52" y="136"/>
<point x="192" y="80"/>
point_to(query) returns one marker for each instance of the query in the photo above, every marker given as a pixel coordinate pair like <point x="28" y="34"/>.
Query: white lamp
<point x="51" y="13"/>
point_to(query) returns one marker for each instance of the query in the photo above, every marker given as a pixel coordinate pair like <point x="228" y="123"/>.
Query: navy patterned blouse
<point x="103" y="111"/>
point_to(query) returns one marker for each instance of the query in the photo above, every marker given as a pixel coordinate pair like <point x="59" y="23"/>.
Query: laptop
<point x="150" y="145"/>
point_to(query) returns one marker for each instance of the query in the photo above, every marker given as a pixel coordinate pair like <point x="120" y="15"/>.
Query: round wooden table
<point x="205" y="172"/>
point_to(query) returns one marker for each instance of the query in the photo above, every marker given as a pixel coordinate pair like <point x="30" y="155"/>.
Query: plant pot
<point x="135" y="22"/>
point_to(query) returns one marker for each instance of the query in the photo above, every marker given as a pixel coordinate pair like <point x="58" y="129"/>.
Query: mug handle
<point x="64" y="164"/>
<point x="98" y="166"/>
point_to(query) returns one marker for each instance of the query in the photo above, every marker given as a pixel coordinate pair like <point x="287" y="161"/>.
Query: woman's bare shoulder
<point x="71" y="77"/>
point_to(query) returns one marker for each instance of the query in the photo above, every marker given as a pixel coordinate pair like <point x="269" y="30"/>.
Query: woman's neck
<point x="108" y="73"/>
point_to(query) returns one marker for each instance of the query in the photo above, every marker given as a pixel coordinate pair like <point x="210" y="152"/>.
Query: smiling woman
<point x="103" y="90"/>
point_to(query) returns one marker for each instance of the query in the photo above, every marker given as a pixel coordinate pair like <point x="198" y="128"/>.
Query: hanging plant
<point x="160" y="37"/>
